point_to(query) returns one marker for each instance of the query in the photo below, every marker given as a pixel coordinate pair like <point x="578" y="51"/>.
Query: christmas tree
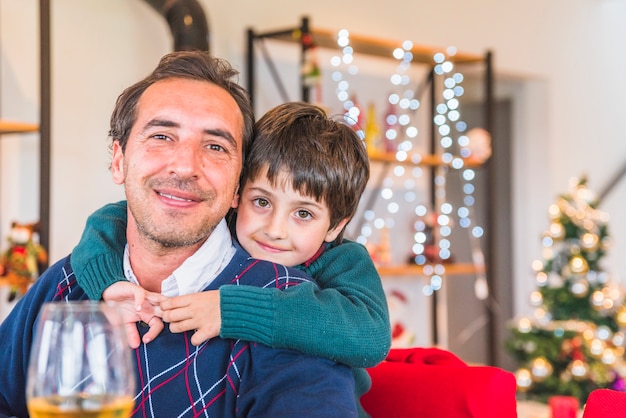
<point x="574" y="343"/>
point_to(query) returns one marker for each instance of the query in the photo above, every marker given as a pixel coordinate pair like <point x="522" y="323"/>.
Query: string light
<point x="352" y="113"/>
<point x="400" y="135"/>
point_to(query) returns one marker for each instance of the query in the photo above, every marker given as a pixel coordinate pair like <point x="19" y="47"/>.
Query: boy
<point x="302" y="180"/>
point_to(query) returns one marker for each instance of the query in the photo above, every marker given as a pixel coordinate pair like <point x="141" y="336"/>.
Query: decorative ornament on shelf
<point x="578" y="327"/>
<point x="20" y="263"/>
<point x="401" y="335"/>
<point x="381" y="252"/>
<point x="479" y="144"/>
<point x="426" y="249"/>
<point x="311" y="71"/>
<point x="372" y="131"/>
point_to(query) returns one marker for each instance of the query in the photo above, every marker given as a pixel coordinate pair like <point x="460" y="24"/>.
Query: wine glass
<point x="80" y="365"/>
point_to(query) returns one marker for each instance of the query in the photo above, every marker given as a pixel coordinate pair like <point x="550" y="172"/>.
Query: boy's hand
<point x="197" y="311"/>
<point x="136" y="304"/>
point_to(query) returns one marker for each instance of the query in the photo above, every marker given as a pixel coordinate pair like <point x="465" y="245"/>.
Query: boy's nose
<point x="276" y="227"/>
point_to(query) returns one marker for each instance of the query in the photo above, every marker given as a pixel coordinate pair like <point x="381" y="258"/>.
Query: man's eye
<point x="260" y="202"/>
<point x="216" y="147"/>
<point x="161" y="136"/>
<point x="304" y="214"/>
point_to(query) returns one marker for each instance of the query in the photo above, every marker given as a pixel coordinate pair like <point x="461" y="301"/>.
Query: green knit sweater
<point x="345" y="320"/>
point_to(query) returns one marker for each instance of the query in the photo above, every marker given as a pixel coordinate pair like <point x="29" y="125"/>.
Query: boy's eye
<point x="262" y="203"/>
<point x="304" y="214"/>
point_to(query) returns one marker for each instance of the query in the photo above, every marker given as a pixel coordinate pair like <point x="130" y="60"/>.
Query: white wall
<point x="564" y="58"/>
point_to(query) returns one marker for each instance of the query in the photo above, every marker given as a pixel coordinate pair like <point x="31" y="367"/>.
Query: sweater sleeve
<point x="345" y="320"/>
<point x="97" y="260"/>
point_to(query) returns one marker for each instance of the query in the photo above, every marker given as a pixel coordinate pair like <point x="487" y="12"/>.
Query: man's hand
<point x="197" y="311"/>
<point x="136" y="304"/>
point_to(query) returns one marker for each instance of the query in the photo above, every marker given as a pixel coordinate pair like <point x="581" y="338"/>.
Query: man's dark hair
<point x="194" y="65"/>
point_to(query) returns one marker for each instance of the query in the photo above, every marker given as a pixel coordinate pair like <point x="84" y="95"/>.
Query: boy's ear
<point x="333" y="233"/>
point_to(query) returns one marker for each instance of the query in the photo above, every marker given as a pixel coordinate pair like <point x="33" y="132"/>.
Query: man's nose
<point x="185" y="160"/>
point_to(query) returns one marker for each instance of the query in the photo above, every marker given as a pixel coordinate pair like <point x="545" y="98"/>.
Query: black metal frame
<point x="44" y="124"/>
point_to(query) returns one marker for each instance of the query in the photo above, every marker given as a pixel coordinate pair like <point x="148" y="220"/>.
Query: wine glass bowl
<point x="80" y="364"/>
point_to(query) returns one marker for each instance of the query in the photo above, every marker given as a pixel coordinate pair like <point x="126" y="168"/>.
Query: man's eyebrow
<point x="160" y="122"/>
<point x="213" y="132"/>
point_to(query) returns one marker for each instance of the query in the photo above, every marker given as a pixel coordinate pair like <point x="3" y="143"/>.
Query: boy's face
<point x="279" y="224"/>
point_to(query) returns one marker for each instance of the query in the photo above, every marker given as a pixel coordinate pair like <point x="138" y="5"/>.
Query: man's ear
<point x="235" y="203"/>
<point x="117" y="163"/>
<point x="333" y="233"/>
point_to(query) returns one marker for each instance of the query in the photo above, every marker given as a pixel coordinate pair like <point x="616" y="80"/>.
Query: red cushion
<point x="432" y="356"/>
<point x="605" y="403"/>
<point x="434" y="383"/>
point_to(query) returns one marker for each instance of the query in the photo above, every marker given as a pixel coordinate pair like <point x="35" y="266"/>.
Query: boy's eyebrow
<point x="257" y="189"/>
<point x="311" y="202"/>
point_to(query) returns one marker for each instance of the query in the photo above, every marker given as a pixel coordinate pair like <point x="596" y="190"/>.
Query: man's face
<point x="182" y="162"/>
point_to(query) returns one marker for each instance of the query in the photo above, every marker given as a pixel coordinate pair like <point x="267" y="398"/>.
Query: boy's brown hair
<point x="324" y="158"/>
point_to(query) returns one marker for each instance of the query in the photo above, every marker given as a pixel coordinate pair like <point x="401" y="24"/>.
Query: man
<point x="178" y="145"/>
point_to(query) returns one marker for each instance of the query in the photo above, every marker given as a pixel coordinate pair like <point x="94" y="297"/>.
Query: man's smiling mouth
<point x="170" y="196"/>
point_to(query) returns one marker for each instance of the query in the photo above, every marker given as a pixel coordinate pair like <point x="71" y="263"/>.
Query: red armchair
<point x="605" y="403"/>
<point x="434" y="383"/>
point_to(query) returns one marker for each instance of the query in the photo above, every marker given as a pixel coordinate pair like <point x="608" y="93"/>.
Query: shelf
<point x="8" y="127"/>
<point x="417" y="159"/>
<point x="452" y="269"/>
<point x="372" y="46"/>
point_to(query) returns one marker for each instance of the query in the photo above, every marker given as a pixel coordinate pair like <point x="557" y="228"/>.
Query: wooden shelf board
<point x="9" y="127"/>
<point x="375" y="46"/>
<point x="424" y="159"/>
<point x="452" y="269"/>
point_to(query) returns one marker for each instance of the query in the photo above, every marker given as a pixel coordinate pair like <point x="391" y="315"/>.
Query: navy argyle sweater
<point x="220" y="378"/>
